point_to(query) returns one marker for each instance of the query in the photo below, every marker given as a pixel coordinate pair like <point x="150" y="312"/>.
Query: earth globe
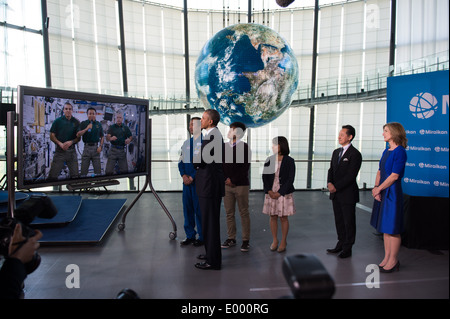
<point x="248" y="73"/>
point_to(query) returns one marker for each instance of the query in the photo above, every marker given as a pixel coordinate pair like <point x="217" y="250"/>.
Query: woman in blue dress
<point x="387" y="213"/>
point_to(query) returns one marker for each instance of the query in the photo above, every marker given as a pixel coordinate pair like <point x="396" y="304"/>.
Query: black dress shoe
<point x="187" y="241"/>
<point x="334" y="250"/>
<point x="201" y="257"/>
<point x="206" y="266"/>
<point x="345" y="254"/>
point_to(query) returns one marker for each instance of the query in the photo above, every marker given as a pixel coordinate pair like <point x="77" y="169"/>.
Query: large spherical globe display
<point x="248" y="73"/>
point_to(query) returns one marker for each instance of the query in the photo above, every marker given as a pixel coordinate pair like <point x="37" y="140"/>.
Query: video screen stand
<point x="148" y="182"/>
<point x="88" y="185"/>
<point x="10" y="159"/>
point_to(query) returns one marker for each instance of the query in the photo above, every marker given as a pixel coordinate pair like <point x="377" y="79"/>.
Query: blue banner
<point x="420" y="103"/>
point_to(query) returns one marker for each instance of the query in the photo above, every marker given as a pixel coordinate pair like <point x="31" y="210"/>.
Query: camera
<point x="37" y="205"/>
<point x="127" y="294"/>
<point x="7" y="226"/>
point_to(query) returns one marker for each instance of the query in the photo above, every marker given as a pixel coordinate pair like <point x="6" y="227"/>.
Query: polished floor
<point x="142" y="257"/>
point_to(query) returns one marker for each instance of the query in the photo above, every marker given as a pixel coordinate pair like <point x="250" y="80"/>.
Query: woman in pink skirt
<point x="278" y="179"/>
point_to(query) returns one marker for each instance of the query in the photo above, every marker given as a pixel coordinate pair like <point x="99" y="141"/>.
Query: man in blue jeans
<point x="191" y="208"/>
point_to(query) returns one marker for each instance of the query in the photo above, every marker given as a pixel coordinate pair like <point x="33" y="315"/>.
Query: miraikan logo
<point x="423" y="105"/>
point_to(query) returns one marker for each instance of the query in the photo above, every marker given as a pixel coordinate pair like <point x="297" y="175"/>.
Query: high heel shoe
<point x="395" y="268"/>
<point x="281" y="250"/>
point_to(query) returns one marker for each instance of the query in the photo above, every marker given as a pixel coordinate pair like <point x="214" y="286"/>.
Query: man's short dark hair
<point x="68" y="103"/>
<point x="214" y="116"/>
<point x="91" y="108"/>
<point x="241" y="126"/>
<point x="350" y="131"/>
<point x="238" y="124"/>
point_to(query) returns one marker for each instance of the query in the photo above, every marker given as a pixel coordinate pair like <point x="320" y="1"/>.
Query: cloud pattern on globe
<point x="248" y="73"/>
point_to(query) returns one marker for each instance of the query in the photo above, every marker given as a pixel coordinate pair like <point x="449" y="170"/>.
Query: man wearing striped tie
<point x="344" y="192"/>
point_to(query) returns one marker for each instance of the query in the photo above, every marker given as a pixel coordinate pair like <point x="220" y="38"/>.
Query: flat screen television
<point x="76" y="138"/>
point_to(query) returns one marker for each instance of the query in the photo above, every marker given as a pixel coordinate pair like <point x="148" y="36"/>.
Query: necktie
<point x="340" y="154"/>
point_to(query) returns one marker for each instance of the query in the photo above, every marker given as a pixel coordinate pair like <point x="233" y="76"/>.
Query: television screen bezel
<point x="23" y="90"/>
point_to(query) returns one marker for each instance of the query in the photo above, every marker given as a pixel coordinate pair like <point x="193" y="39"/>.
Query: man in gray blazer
<point x="344" y="192"/>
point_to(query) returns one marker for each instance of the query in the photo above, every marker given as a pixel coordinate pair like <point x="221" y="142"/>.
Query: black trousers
<point x="345" y="220"/>
<point x="210" y="209"/>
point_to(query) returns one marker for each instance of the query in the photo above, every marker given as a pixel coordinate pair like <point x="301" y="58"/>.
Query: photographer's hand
<point x="26" y="252"/>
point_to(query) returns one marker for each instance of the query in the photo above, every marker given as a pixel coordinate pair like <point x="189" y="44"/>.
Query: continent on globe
<point x="248" y="73"/>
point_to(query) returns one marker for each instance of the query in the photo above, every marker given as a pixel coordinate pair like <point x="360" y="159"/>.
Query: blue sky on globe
<point x="248" y="73"/>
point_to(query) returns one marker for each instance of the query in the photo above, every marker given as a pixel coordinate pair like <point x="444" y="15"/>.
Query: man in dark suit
<point x="210" y="187"/>
<point x="344" y="191"/>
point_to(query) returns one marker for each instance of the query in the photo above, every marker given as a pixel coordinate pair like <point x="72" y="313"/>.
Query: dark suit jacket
<point x="287" y="175"/>
<point x="210" y="181"/>
<point x="343" y="175"/>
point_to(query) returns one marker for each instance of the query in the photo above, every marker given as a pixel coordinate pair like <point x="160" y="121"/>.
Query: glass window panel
<point x="22" y="13"/>
<point x="22" y="59"/>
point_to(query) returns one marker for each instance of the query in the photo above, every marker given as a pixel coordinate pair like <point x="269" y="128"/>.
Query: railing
<point x="352" y="88"/>
<point x="332" y="90"/>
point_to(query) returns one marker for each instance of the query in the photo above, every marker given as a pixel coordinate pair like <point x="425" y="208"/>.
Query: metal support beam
<point x="392" y="40"/>
<point x="312" y="115"/>
<point x="122" y="48"/>
<point x="45" y="25"/>
<point x="186" y="61"/>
